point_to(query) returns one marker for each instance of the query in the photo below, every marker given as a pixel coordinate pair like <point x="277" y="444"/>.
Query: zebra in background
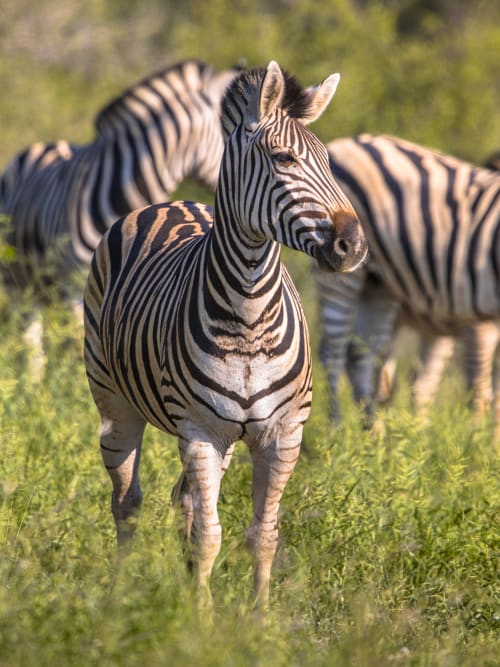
<point x="480" y="342"/>
<point x="33" y="159"/>
<point x="193" y="324"/>
<point x="431" y="222"/>
<point x="60" y="199"/>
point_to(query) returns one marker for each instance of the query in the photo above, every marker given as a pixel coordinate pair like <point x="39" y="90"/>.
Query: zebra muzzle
<point x="346" y="248"/>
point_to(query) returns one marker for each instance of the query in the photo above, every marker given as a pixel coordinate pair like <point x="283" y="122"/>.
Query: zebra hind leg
<point x="33" y="340"/>
<point x="121" y="438"/>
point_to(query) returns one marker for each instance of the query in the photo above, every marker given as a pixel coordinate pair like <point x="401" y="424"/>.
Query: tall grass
<point x="388" y="550"/>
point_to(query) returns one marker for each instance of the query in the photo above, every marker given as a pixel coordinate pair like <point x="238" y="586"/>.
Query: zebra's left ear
<point x="320" y="97"/>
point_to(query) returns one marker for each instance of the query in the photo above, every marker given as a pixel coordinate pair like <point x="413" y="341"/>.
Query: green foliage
<point x="436" y="82"/>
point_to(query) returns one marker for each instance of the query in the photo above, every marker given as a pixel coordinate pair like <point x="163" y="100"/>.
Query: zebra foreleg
<point x="202" y="464"/>
<point x="272" y="466"/>
<point x="339" y="294"/>
<point x="121" y="438"/>
<point x="181" y="495"/>
<point x="370" y="343"/>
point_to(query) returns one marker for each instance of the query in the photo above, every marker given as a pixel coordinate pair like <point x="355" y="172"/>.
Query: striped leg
<point x="182" y="496"/>
<point x="386" y="378"/>
<point x="435" y="352"/>
<point x="338" y="295"/>
<point x="272" y="467"/>
<point x="121" y="437"/>
<point x="480" y="344"/>
<point x="371" y="343"/>
<point x="202" y="464"/>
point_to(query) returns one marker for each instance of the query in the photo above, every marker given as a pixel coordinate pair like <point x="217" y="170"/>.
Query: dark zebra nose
<point x="347" y="247"/>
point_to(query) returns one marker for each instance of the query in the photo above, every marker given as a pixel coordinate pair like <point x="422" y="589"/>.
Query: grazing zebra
<point x="60" y="199"/>
<point x="193" y="324"/>
<point x="432" y="224"/>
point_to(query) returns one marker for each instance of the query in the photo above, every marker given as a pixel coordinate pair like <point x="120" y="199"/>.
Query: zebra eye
<point x="284" y="158"/>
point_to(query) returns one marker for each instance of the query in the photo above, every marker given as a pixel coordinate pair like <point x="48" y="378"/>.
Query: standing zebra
<point x="432" y="224"/>
<point x="193" y="324"/>
<point x="61" y="198"/>
<point x="480" y="342"/>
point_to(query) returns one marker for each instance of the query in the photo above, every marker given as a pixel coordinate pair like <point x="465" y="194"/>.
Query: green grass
<point x="388" y="545"/>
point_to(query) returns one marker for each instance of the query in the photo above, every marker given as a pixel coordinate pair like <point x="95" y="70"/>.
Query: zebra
<point x="480" y="342"/>
<point x="431" y="222"/>
<point x="61" y="198"/>
<point x="193" y="324"/>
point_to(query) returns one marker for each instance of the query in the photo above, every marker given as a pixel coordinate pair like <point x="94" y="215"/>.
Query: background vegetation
<point x="389" y="541"/>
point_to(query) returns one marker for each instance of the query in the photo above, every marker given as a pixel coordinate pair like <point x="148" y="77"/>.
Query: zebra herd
<point x="192" y="322"/>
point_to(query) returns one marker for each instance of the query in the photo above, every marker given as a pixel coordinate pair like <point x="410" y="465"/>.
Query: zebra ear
<point x="320" y="97"/>
<point x="268" y="97"/>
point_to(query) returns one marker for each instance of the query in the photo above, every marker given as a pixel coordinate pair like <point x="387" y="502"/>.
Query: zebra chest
<point x="233" y="387"/>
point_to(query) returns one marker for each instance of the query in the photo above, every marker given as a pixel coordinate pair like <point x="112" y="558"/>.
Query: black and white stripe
<point x="194" y="325"/>
<point x="61" y="198"/>
<point x="432" y="224"/>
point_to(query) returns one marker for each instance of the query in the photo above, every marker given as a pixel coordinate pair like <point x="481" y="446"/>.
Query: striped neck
<point x="245" y="275"/>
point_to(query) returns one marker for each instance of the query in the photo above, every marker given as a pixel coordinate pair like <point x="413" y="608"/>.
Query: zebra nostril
<point x="341" y="247"/>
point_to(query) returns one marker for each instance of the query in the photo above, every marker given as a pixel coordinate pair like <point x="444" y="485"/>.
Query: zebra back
<point x="22" y="167"/>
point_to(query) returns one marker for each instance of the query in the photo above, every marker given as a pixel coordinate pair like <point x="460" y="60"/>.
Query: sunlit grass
<point x="388" y="549"/>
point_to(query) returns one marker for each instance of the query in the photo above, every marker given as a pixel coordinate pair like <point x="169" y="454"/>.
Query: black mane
<point x="295" y="102"/>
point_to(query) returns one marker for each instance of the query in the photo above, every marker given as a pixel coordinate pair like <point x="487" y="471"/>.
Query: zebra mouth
<point x="341" y="258"/>
<point x="326" y="260"/>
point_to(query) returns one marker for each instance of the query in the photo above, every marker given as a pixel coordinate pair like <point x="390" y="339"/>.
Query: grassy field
<point x="388" y="550"/>
<point x="389" y="541"/>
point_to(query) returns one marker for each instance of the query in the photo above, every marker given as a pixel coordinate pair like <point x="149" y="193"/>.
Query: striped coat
<point x="194" y="325"/>
<point x="61" y="198"/>
<point x="432" y="226"/>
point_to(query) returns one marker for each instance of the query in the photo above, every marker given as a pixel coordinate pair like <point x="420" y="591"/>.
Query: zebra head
<point x="275" y="176"/>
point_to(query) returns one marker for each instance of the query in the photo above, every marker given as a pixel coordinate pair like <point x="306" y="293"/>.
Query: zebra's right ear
<point x="266" y="98"/>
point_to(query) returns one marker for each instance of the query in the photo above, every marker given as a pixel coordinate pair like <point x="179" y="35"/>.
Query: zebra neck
<point x="245" y="279"/>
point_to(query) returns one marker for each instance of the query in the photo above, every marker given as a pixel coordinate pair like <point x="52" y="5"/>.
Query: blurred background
<point x="426" y="70"/>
